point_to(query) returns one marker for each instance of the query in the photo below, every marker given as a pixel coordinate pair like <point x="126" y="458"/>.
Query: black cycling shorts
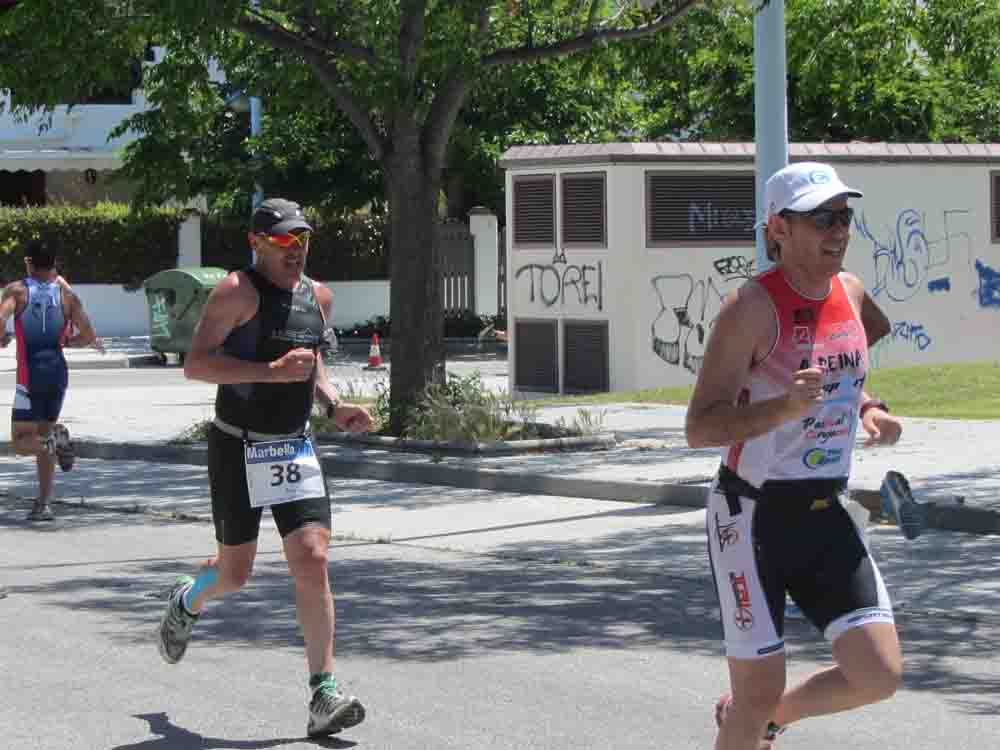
<point x="236" y="521"/>
<point x="797" y="541"/>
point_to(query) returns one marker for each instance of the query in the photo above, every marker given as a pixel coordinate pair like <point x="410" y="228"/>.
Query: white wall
<point x="83" y="126"/>
<point x="921" y="243"/>
<point x="113" y="311"/>
<point x="358" y="301"/>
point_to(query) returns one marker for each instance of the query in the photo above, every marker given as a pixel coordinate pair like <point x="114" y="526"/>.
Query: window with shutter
<point x="536" y="364"/>
<point x="534" y="211"/>
<point x="700" y="208"/>
<point x="584" y="212"/>
<point x="995" y="206"/>
<point x="585" y="357"/>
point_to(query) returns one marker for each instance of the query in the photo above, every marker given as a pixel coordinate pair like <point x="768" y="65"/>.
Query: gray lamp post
<point x="770" y="103"/>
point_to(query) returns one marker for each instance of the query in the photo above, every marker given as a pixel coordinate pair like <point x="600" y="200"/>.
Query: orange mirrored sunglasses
<point x="286" y="241"/>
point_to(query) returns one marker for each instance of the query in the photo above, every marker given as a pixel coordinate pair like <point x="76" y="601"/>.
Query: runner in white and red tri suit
<point x="781" y="390"/>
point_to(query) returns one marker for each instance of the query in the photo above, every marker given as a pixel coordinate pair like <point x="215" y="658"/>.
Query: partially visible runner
<point x="48" y="316"/>
<point x="781" y="389"/>
<point x="260" y="339"/>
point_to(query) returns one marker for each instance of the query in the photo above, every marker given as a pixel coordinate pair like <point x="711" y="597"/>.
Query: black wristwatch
<point x="331" y="409"/>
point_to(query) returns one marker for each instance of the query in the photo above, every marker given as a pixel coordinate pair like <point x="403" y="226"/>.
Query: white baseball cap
<point x="802" y="186"/>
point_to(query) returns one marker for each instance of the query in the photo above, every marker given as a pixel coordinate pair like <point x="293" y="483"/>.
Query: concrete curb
<point x="601" y="441"/>
<point x="98" y="362"/>
<point x="690" y="494"/>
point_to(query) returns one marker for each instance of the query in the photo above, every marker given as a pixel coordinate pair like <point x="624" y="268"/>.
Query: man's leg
<point x="308" y="560"/>
<point x="224" y="574"/>
<point x="757" y="685"/>
<point x="30" y="439"/>
<point x="306" y="550"/>
<point x="868" y="669"/>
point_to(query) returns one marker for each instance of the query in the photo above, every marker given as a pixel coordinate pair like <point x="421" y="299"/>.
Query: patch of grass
<point x="970" y="390"/>
<point x="679" y="395"/>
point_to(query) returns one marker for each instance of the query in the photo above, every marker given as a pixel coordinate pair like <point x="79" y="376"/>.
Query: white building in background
<point x="66" y="156"/>
<point x="619" y="255"/>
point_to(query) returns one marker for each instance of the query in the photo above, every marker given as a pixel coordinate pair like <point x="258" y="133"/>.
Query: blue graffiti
<point x="989" y="285"/>
<point x="912" y="332"/>
<point x="904" y="261"/>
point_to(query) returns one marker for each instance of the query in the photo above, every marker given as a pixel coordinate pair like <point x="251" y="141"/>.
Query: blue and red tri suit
<point x="41" y="330"/>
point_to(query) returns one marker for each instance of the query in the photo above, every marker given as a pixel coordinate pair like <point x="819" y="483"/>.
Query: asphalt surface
<point x="467" y="617"/>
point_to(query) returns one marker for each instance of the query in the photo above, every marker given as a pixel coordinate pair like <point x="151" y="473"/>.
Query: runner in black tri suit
<point x="260" y="339"/>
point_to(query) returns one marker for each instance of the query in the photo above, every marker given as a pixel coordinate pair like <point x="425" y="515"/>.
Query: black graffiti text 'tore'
<point x="550" y="282"/>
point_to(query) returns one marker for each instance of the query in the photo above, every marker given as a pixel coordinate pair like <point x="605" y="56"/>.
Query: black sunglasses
<point x="824" y="218"/>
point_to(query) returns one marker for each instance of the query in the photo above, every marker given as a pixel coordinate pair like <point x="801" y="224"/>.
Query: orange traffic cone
<point x="375" y="355"/>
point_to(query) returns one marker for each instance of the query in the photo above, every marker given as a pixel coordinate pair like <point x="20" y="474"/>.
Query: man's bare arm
<point x="85" y="334"/>
<point x="9" y="301"/>
<point x="232" y="303"/>
<point x="325" y="391"/>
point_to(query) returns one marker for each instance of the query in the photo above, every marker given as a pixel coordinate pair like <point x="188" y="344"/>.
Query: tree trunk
<point x="417" y="349"/>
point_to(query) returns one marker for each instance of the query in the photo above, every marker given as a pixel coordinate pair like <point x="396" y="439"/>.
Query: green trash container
<point x="176" y="298"/>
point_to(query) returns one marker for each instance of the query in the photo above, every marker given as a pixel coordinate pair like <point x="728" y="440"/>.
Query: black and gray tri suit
<point x="285" y="320"/>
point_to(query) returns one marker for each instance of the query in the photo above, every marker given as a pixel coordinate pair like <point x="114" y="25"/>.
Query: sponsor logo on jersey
<point x="818" y="457"/>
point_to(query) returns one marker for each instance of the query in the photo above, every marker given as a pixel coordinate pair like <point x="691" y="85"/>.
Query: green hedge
<point x="343" y="248"/>
<point x="110" y="244"/>
<point x="107" y="244"/>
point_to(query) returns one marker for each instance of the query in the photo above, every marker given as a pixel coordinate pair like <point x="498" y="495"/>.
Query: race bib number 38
<point x="282" y="471"/>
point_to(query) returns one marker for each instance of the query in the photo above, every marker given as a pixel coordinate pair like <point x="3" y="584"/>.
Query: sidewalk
<point x="651" y="462"/>
<point x="939" y="576"/>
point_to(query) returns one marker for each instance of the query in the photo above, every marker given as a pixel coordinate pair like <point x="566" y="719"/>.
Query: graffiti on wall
<point x="988" y="290"/>
<point x="551" y="283"/>
<point x="913" y="333"/>
<point x="907" y="259"/>
<point x="735" y="267"/>
<point x="688" y="308"/>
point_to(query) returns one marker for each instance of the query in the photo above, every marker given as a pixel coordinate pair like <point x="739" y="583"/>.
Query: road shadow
<point x="172" y="737"/>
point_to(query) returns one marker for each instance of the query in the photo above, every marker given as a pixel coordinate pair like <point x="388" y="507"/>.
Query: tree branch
<point x="347" y="102"/>
<point x="274" y="33"/>
<point x="590" y="39"/>
<point x="320" y="61"/>
<point x="441" y="119"/>
<point x="595" y="6"/>
<point x="411" y="36"/>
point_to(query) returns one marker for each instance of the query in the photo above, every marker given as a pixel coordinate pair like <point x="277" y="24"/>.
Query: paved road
<point x="467" y="619"/>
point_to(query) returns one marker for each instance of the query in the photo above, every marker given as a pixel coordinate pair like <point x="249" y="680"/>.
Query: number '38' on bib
<point x="282" y="471"/>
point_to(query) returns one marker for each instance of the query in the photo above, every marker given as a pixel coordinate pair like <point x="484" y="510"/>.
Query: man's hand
<point x="351" y="418"/>
<point x="806" y="391"/>
<point x="295" y="367"/>
<point x="882" y="428"/>
<point x="5" y="339"/>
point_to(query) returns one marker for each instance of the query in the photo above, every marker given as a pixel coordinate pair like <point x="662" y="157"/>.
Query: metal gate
<point x="458" y="263"/>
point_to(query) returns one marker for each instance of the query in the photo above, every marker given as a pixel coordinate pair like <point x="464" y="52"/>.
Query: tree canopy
<point x="399" y="71"/>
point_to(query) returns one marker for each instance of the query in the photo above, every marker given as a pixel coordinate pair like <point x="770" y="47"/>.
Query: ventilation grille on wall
<point x="585" y="360"/>
<point x="536" y="363"/>
<point x="699" y="207"/>
<point x="583" y="210"/>
<point x="534" y="211"/>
